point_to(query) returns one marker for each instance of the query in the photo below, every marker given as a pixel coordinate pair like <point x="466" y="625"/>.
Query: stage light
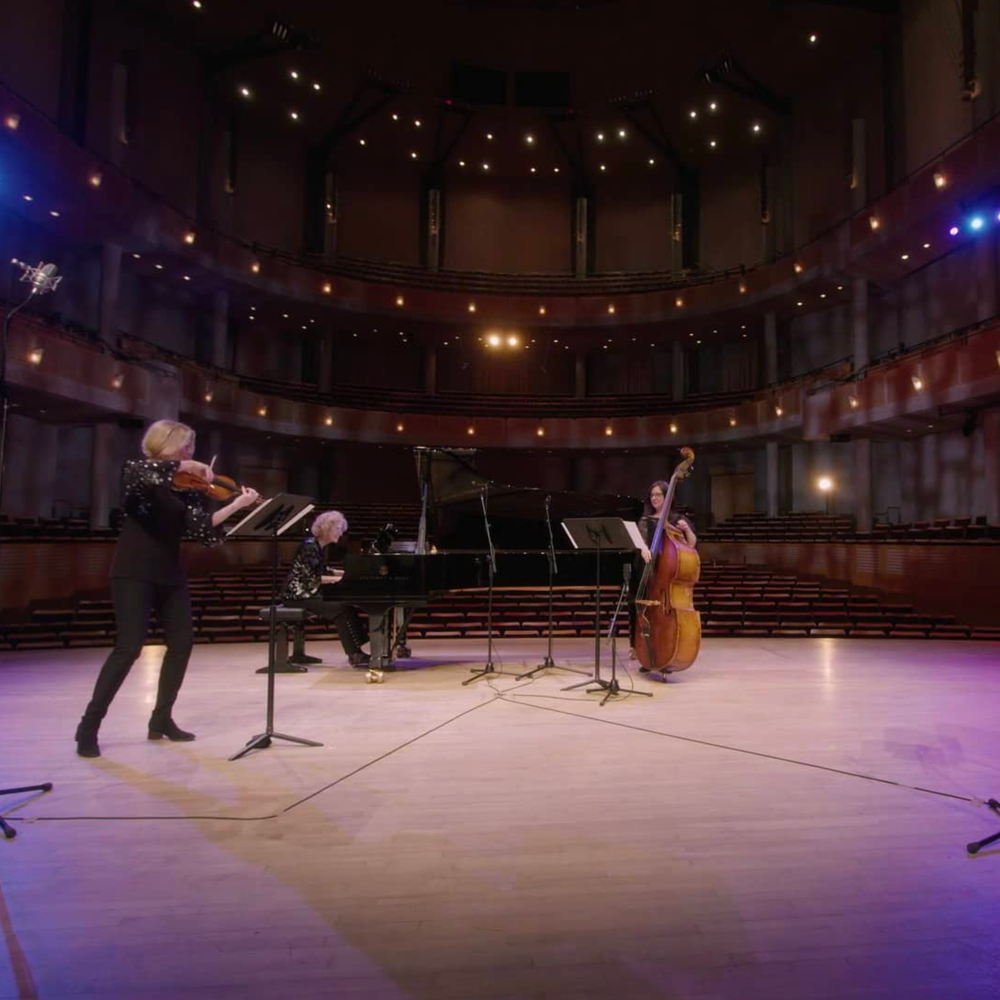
<point x="245" y="92"/>
<point x="679" y="302"/>
<point x="529" y="139"/>
<point x="137" y="256"/>
<point x="293" y="73"/>
<point x="400" y="300"/>
<point x="755" y="128"/>
<point x="693" y="114"/>
<point x="940" y="179"/>
<point x="362" y="142"/>
<point x="555" y="170"/>
<point x="327" y="288"/>
<point x="853" y="400"/>
<point x="196" y="4"/>
<point x="608" y="431"/>
<point x="471" y="431"/>
<point x="713" y="106"/>
<point x="472" y="307"/>
<point x="927" y="246"/>
<point x="540" y="432"/>
<point x="622" y="134"/>
<point x="603" y="167"/>
<point x="209" y="395"/>
<point x="918" y="382"/>
<point x="976" y="223"/>
<point x="461" y="163"/>
<point x="159" y="267"/>
<point x="12" y="122"/>
<point x="778" y="411"/>
<point x="400" y="428"/>
<point x="35" y="356"/>
<point x="512" y="341"/>
<point x="873" y="222"/>
<point x="600" y="137"/>
<point x="541" y="312"/>
<point x="94" y="179"/>
<point x="712" y="144"/>
<point x="417" y="123"/>
<point x="493" y="340"/>
<point x="118" y="380"/>
<point x="673" y="428"/>
<point x="54" y="213"/>
<point x="189" y="238"/>
<point x="489" y="136"/>
<point x="187" y="277"/>
<point x="261" y="411"/>
<point x="294" y="115"/>
<point x="824" y="483"/>
<point x="27" y="197"/>
<point x="486" y="166"/>
<point x="904" y="256"/>
<point x="317" y="86"/>
<point x="652" y="161"/>
<point x="822" y="295"/>
<point x="395" y="117"/>
<point x="953" y="231"/>
<point x="611" y="308"/>
<point x="799" y="304"/>
<point x="732" y="421"/>
<point x="255" y="267"/>
<point x="797" y="267"/>
<point x="813" y="38"/>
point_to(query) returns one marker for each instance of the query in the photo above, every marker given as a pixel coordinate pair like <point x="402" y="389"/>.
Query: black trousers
<point x="134" y="601"/>
<point x="351" y="632"/>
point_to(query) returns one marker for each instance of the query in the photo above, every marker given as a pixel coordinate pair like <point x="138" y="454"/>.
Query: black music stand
<point x="8" y="831"/>
<point x="602" y="534"/>
<point x="978" y="845"/>
<point x="272" y="519"/>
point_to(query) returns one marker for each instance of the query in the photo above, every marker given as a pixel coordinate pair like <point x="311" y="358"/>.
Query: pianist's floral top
<point x="308" y="566"/>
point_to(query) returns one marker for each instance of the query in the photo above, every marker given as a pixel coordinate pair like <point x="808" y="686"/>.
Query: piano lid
<point x="455" y="492"/>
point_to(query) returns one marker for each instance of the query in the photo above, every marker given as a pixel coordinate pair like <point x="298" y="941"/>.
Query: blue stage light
<point x="976" y="223"/>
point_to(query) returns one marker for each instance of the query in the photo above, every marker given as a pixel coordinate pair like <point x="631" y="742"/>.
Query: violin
<point x="221" y="488"/>
<point x="669" y="628"/>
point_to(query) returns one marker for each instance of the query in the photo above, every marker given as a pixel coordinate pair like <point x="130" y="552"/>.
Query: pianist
<point x="309" y="572"/>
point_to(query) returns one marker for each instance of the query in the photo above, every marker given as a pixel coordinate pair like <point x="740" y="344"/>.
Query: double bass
<point x="669" y="628"/>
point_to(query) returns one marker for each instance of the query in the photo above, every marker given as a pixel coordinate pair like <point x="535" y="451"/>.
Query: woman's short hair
<point x="166" y="438"/>
<point x="329" y="517"/>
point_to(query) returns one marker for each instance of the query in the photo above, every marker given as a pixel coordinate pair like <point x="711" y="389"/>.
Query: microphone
<point x="548" y="501"/>
<point x="43" y="278"/>
<point x="626" y="572"/>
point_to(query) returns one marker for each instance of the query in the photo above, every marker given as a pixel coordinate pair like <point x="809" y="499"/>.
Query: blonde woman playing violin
<point x="147" y="574"/>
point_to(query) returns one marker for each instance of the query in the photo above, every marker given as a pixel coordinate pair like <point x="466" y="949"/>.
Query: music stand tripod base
<point x="263" y="741"/>
<point x="978" y="845"/>
<point x="8" y="831"/>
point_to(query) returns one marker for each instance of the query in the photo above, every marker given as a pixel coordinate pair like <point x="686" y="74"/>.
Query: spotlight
<point x="918" y="382"/>
<point x="603" y="167"/>
<point x="255" y="267"/>
<point x="395" y="117"/>
<point x="327" y="288"/>
<point x="712" y="144"/>
<point x="693" y="114"/>
<point x="486" y="166"/>
<point x="471" y="431"/>
<point x="94" y="179"/>
<point x="940" y="179"/>
<point x="732" y="421"/>
<point x="187" y="277"/>
<point x="713" y="106"/>
<point x="245" y="92"/>
<point x="904" y="256"/>
<point x="813" y="38"/>
<point x="512" y="341"/>
<point x="54" y="214"/>
<point x="611" y="308"/>
<point x="261" y="411"/>
<point x="293" y="73"/>
<point x="541" y="312"/>
<point x="362" y="142"/>
<point x="529" y="139"/>
<point x="328" y="421"/>
<point x="825" y="483"/>
<point x="35" y="356"/>
<point x="540" y="432"/>
<point x="489" y="136"/>
<point x="461" y="163"/>
<point x="400" y="300"/>
<point x="652" y="161"/>
<point x="600" y="137"/>
<point x="673" y="428"/>
<point x="493" y="340"/>
<point x="294" y="115"/>
<point x="27" y="197"/>
<point x="189" y="238"/>
<point x="472" y="307"/>
<point x="417" y="123"/>
<point x="927" y="246"/>
<point x="755" y="128"/>
<point x="679" y="302"/>
<point x="873" y="222"/>
<point x="622" y="133"/>
<point x="608" y="431"/>
<point x="976" y="223"/>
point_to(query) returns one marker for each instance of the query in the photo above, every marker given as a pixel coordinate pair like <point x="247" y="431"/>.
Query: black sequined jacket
<point x="156" y="519"/>
<point x="308" y="566"/>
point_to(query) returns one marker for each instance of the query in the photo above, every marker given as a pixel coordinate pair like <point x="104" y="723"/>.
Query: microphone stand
<point x="8" y="831"/>
<point x="553" y="569"/>
<point x="612" y="687"/>
<point x="492" y="567"/>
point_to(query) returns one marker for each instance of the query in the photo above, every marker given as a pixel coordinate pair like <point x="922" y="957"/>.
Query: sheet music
<point x="634" y="533"/>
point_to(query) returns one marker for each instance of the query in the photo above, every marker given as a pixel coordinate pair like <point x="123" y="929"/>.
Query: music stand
<point x="272" y="519"/>
<point x="602" y="534"/>
<point x="8" y="831"/>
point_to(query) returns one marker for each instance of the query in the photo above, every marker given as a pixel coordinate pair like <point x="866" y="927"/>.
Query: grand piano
<point x="451" y="551"/>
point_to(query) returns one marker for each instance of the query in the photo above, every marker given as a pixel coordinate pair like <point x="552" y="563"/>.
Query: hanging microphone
<point x="42" y="278"/>
<point x="548" y="500"/>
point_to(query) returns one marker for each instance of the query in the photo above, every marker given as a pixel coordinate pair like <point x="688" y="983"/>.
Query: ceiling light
<point x="825" y="483"/>
<point x="799" y="304"/>
<point x="493" y="340"/>
<point x="118" y="381"/>
<point x="603" y="166"/>
<point x="417" y="123"/>
<point x="778" y="411"/>
<point x="692" y="114"/>
<point x="940" y="179"/>
<point x="540" y="432"/>
<point x="853" y="400"/>
<point x="918" y="382"/>
<point x="413" y="154"/>
<point x="600" y="137"/>
<point x="399" y="427"/>
<point x="822" y="295"/>
<point x="137" y="256"/>
<point x="512" y="341"/>
<point x="679" y="302"/>
<point x="713" y="106"/>
<point x="12" y="122"/>
<point x="873" y="222"/>
<point x="327" y="289"/>
<point x="317" y="86"/>
<point x="555" y="170"/>
<point x="927" y="246"/>
<point x="652" y="161"/>
<point x="608" y="431"/>
<point x="461" y="163"/>
<point x="245" y="92"/>
<point x="797" y="267"/>
<point x="541" y="312"/>
<point x="953" y="231"/>
<point x="284" y="315"/>
<point x="611" y="308"/>
<point x="531" y="170"/>
<point x="470" y="431"/>
<point x="529" y="139"/>
<point x="255" y="267"/>
<point x="813" y="38"/>
<point x="673" y="428"/>
<point x="94" y="179"/>
<point x="196" y="4"/>
<point x="755" y="128"/>
<point x="395" y="117"/>
<point x="904" y="256"/>
<point x="189" y="238"/>
<point x="27" y="197"/>
<point x="35" y="356"/>
<point x="732" y="421"/>
<point x="362" y="142"/>
<point x="743" y="288"/>
<point x="209" y="396"/>
<point x="159" y="267"/>
<point x="294" y="115"/>
<point x="486" y="166"/>
<point x="261" y="411"/>
<point x="622" y="133"/>
<point x="187" y="277"/>
<point x="472" y="307"/>
<point x="54" y="213"/>
<point x="328" y="421"/>
<point x="293" y="73"/>
<point x="399" y="300"/>
<point x="489" y="135"/>
<point x="712" y="144"/>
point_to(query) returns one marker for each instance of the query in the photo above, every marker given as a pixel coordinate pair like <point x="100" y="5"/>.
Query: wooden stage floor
<point x="722" y="839"/>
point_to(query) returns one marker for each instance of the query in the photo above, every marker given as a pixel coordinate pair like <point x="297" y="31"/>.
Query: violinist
<point x="647" y="528"/>
<point x="147" y="572"/>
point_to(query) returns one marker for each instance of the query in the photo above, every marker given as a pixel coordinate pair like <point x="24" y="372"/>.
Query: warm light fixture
<point x="799" y="304"/>
<point x="529" y="139"/>
<point x="400" y="300"/>
<point x="472" y="307"/>
<point x="362" y="142"/>
<point x="853" y="400"/>
<point x="918" y="382"/>
<point x="555" y="170"/>
<point x="461" y="163"/>
<point x="189" y="238"/>
<point x="600" y="137"/>
<point x="713" y="106"/>
<point x="512" y="341"/>
<point x="486" y="166"/>
<point x="54" y="213"/>
<point x="470" y="431"/>
<point x="927" y="246"/>
<point x="608" y="431"/>
<point x="732" y="421"/>
<point x="692" y="114"/>
<point x="209" y="395"/>
<point x="904" y="256"/>
<point x="622" y="133"/>
<point x="873" y="222"/>
<point x="35" y="356"/>
<point x="261" y="411"/>
<point x="12" y="122"/>
<point x="611" y="308"/>
<point x="493" y="340"/>
<point x="118" y="381"/>
<point x="743" y="288"/>
<point x="327" y="288"/>
<point x="400" y="428"/>
<point x="940" y="179"/>
<point x="712" y="144"/>
<point x="540" y="431"/>
<point x="94" y="179"/>
<point x="604" y="167"/>
<point x="328" y="421"/>
<point x="159" y="267"/>
<point x="798" y="267"/>
<point x="293" y="73"/>
<point x="541" y="310"/>
<point x="825" y="483"/>
<point x="317" y="86"/>
<point x="755" y="128"/>
<point x="679" y="302"/>
<point x="187" y="277"/>
<point x="294" y="115"/>
<point x="813" y="38"/>
<point x="255" y="267"/>
<point x="413" y="154"/>
<point x="533" y="170"/>
<point x="652" y="161"/>
<point x="778" y="411"/>
<point x="673" y="428"/>
<point x="245" y="92"/>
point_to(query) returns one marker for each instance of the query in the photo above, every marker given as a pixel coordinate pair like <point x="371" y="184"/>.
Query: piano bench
<point x="291" y="618"/>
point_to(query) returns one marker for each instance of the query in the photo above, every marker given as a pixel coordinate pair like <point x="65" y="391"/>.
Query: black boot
<point x="86" y="738"/>
<point x="169" y="730"/>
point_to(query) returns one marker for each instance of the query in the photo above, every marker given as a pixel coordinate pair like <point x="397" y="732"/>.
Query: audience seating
<point x="734" y="601"/>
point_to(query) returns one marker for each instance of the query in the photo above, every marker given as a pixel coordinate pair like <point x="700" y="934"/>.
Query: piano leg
<point x="380" y="635"/>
